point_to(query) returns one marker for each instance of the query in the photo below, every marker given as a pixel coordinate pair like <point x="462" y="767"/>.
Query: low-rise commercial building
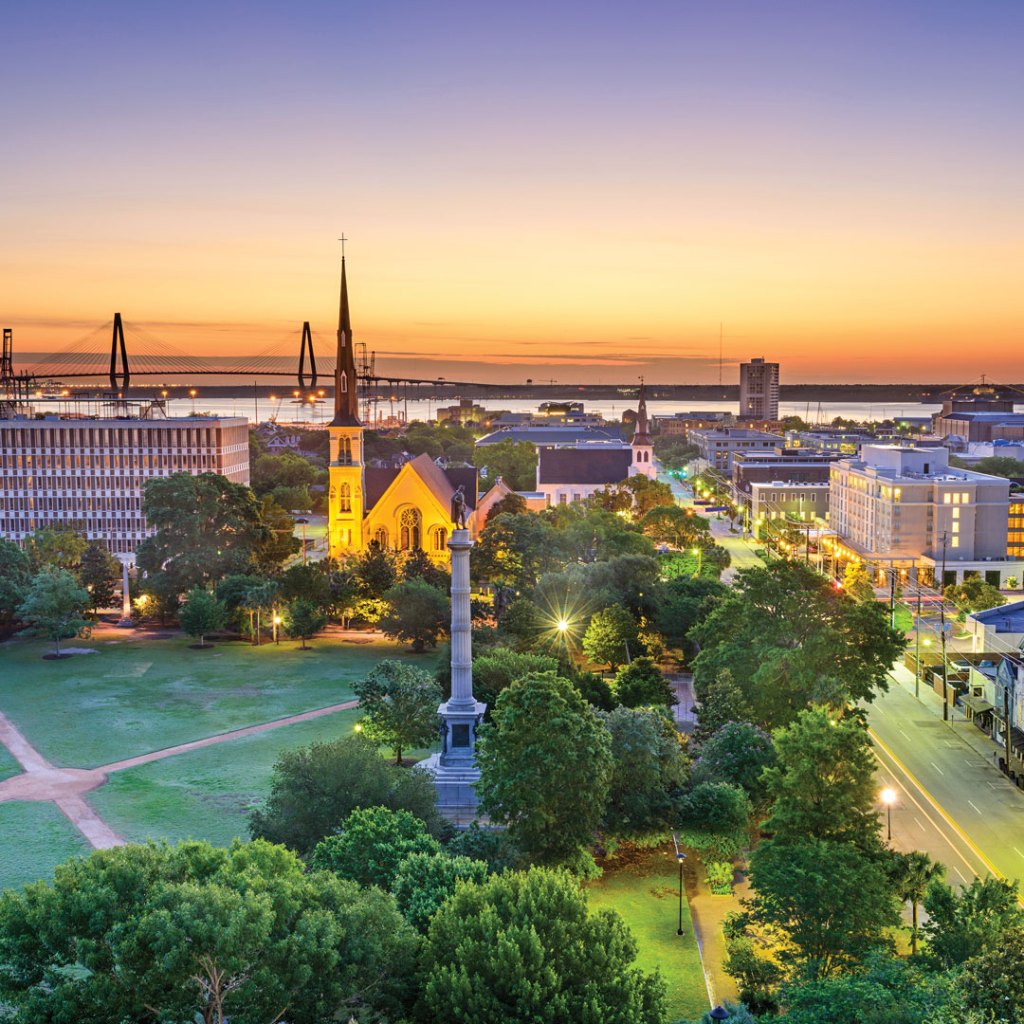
<point x="995" y="629"/>
<point x="793" y="466"/>
<point x="681" y="423"/>
<point x="771" y="501"/>
<point x="979" y="414"/>
<point x="89" y="472"/>
<point x="717" y="448"/>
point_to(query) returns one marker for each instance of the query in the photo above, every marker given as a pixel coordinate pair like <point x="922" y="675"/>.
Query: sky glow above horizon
<point x="567" y="190"/>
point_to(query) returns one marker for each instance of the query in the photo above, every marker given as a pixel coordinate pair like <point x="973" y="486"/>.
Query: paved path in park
<point x="66" y="787"/>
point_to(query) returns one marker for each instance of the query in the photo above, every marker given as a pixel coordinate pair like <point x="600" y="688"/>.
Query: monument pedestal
<point x="454" y="769"/>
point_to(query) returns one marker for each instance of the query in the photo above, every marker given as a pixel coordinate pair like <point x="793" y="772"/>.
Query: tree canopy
<point x="399" y="704"/>
<point x="198" y="933"/>
<point x="54" y="606"/>
<point x="313" y="789"/>
<point x="790" y="639"/>
<point x="522" y="948"/>
<point x="545" y="766"/>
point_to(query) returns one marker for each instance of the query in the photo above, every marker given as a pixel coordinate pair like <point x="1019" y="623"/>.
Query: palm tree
<point x="914" y="873"/>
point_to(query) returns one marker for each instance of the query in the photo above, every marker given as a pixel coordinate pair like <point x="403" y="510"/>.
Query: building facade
<point x="400" y="508"/>
<point x="779" y="464"/>
<point x="904" y="504"/>
<point x="89" y="473"/>
<point x="979" y="414"/>
<point x="759" y="390"/>
<point x="718" y="448"/>
<point x="771" y="501"/>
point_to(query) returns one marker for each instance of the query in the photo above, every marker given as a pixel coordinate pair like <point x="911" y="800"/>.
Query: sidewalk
<point x="967" y="732"/>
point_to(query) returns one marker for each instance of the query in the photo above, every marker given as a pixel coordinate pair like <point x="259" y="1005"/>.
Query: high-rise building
<point x="759" y="390"/>
<point x="89" y="473"/>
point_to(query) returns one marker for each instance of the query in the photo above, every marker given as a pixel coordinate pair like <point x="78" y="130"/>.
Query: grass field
<point x="8" y="765"/>
<point x="207" y="793"/>
<point x="645" y="893"/>
<point x="34" y="839"/>
<point x="132" y="697"/>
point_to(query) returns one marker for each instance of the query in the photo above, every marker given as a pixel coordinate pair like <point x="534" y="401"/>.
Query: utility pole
<point x="892" y="597"/>
<point x="1006" y="724"/>
<point x="942" y="620"/>
<point x="917" y="633"/>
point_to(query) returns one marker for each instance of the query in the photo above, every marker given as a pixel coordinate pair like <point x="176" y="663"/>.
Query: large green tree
<point x="499" y="667"/>
<point x="201" y="614"/>
<point x="15" y="574"/>
<point x="303" y="619"/>
<point x="642" y="684"/>
<point x="206" y="527"/>
<point x="522" y="948"/>
<point x="98" y="571"/>
<point x="545" y="762"/>
<point x="416" y="613"/>
<point x="649" y="771"/>
<point x="971" y="922"/>
<point x="714" y="819"/>
<point x="832" y="902"/>
<point x="425" y="880"/>
<point x="371" y="843"/>
<point x="54" y="606"/>
<point x="823" y="781"/>
<point x="790" y="639"/>
<point x="313" y="789"/>
<point x="56" y="547"/>
<point x="719" y="701"/>
<point x="515" y="550"/>
<point x="514" y="461"/>
<point x="197" y="933"/>
<point x="399" y="704"/>
<point x="611" y="637"/>
<point x="737" y="753"/>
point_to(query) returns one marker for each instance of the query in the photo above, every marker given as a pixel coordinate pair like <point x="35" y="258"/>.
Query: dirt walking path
<point x="65" y="787"/>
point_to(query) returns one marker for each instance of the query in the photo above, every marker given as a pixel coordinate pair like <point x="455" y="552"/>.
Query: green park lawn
<point x="8" y="765"/>
<point x="134" y="696"/>
<point x="206" y="793"/>
<point x="645" y="892"/>
<point x="34" y="839"/>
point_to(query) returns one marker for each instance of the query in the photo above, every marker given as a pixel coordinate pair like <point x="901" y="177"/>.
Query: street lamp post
<point x="888" y="798"/>
<point x="699" y="552"/>
<point x="277" y="622"/>
<point x="303" y="523"/>
<point x="680" y="857"/>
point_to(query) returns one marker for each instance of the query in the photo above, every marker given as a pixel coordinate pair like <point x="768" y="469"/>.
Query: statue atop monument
<point x="459" y="508"/>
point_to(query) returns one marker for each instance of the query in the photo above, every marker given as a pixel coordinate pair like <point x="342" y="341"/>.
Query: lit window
<point x="956" y="542"/>
<point x="965" y="497"/>
<point x="956" y="526"/>
<point x="956" y="513"/>
<point x="947" y="499"/>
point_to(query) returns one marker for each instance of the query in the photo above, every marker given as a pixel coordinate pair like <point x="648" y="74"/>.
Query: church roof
<point x="583" y="466"/>
<point x="440" y="482"/>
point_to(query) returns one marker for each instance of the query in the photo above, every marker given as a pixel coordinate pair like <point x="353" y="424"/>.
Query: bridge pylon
<point x="307" y="341"/>
<point x="116" y="342"/>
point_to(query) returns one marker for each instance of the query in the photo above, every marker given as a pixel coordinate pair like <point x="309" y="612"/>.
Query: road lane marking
<point x="960" y="873"/>
<point x="967" y="841"/>
<point x="936" y="767"/>
<point x="1019" y="854"/>
<point x="920" y="825"/>
<point x="972" y="803"/>
<point x="902" y="733"/>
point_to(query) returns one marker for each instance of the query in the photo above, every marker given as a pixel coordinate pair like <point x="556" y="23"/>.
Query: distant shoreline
<point x="696" y="393"/>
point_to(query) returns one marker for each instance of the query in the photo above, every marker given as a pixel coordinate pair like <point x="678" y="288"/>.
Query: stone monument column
<point x="126" y="600"/>
<point x="454" y="769"/>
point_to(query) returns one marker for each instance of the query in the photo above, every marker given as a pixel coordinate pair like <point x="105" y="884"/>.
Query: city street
<point x="953" y="801"/>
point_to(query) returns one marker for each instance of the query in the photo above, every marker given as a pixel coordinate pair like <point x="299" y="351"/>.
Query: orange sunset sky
<point x="577" y="192"/>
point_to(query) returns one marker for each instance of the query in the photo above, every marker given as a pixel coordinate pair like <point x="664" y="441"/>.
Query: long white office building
<point x="89" y="472"/>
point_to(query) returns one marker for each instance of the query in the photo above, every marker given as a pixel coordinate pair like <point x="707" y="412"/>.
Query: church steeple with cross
<point x="346" y="394"/>
<point x="346" y="501"/>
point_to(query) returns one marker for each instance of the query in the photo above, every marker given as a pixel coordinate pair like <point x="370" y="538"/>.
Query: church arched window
<point x="381" y="538"/>
<point x="345" y="498"/>
<point x="440" y="538"/>
<point x="409" y="524"/>
<point x="344" y="382"/>
<point x="345" y="451"/>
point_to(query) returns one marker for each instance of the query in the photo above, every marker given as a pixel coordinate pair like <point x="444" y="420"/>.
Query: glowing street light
<point x="699" y="552"/>
<point x="562" y="625"/>
<point x="358" y="727"/>
<point x="277" y="622"/>
<point x="888" y="798"/>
